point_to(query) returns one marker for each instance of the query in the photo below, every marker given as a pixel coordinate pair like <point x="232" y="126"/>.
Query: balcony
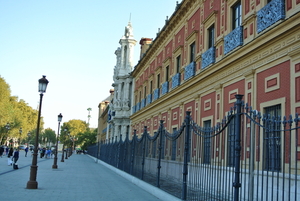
<point x="233" y="39"/>
<point x="189" y="71"/>
<point x="165" y="88"/>
<point x="156" y="94"/>
<point x="149" y="99"/>
<point x="137" y="107"/>
<point x="143" y="103"/>
<point x="271" y="13"/>
<point x="208" y="57"/>
<point x="133" y="109"/>
<point x="176" y="80"/>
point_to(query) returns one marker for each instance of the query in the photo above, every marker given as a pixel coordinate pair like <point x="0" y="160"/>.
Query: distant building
<point x="103" y="117"/>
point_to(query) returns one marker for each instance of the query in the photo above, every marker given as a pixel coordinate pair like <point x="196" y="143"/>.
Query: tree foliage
<point x="48" y="136"/>
<point x="79" y="132"/>
<point x="17" y="113"/>
<point x="87" y="138"/>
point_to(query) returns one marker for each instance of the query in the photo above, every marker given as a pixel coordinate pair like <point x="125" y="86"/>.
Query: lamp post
<point x="63" y="149"/>
<point x="67" y="148"/>
<point x="32" y="183"/>
<point x="54" y="166"/>
<point x="20" y="131"/>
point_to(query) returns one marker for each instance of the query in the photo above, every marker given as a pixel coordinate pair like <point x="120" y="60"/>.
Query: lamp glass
<point x="59" y="117"/>
<point x="43" y="82"/>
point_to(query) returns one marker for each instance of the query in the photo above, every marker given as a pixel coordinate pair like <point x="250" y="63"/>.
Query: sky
<point x="72" y="42"/>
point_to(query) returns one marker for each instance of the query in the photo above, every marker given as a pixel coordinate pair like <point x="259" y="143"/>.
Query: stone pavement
<point x="80" y="177"/>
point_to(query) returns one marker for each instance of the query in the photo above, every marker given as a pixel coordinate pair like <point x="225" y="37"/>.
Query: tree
<point x="48" y="136"/>
<point x="89" y="115"/>
<point x="17" y="113"/>
<point x="87" y="138"/>
<point x="74" y="127"/>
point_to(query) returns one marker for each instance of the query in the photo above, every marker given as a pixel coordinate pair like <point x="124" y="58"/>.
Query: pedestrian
<point x="16" y="158"/>
<point x="1" y="151"/>
<point x="6" y="151"/>
<point x="9" y="156"/>
<point x="26" y="150"/>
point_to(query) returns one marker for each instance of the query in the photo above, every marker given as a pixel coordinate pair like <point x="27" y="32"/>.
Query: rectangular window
<point x="151" y="87"/>
<point x="178" y="63"/>
<point x="145" y="92"/>
<point x="140" y="96"/>
<point x="158" y="81"/>
<point x="230" y="142"/>
<point x="192" y="52"/>
<point x="236" y="15"/>
<point x="207" y="142"/>
<point x="167" y="73"/>
<point x="211" y="36"/>
<point x="272" y="140"/>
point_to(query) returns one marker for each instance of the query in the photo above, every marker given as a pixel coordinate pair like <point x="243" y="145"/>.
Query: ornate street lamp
<point x="63" y="149"/>
<point x="32" y="183"/>
<point x="67" y="147"/>
<point x="54" y="166"/>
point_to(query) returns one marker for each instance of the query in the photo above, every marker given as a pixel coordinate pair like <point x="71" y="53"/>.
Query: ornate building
<point x="120" y="106"/>
<point x="207" y="52"/>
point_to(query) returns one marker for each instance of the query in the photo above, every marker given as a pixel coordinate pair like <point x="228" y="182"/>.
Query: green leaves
<point x="15" y="112"/>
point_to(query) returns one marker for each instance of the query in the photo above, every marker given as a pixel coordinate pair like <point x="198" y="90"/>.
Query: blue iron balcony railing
<point x="271" y="13"/>
<point x="143" y="103"/>
<point x="176" y="80"/>
<point x="165" y="88"/>
<point x="138" y="107"/>
<point x="156" y="94"/>
<point x="133" y="109"/>
<point x="233" y="39"/>
<point x="189" y="71"/>
<point x="208" y="57"/>
<point x="149" y="99"/>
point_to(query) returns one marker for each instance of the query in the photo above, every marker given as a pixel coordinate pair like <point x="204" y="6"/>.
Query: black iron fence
<point x="247" y="156"/>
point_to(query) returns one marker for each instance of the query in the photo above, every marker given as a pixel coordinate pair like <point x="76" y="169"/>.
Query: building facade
<point x="209" y="51"/>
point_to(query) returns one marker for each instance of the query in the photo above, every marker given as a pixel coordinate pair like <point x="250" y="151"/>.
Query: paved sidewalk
<point x="80" y="177"/>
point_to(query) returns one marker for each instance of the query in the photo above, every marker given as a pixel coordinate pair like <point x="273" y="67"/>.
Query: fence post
<point x="186" y="154"/>
<point x="125" y="152"/>
<point x="159" y="152"/>
<point x="236" y="183"/>
<point x="132" y="152"/>
<point x="144" y="148"/>
<point x="252" y="157"/>
<point x="119" y="151"/>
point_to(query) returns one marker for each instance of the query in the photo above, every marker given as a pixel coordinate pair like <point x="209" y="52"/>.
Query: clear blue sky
<point x="72" y="42"/>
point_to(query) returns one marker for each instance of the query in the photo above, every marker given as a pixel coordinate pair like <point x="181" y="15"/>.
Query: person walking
<point x="26" y="150"/>
<point x="16" y="158"/>
<point x="1" y="151"/>
<point x="6" y="151"/>
<point x="9" y="156"/>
